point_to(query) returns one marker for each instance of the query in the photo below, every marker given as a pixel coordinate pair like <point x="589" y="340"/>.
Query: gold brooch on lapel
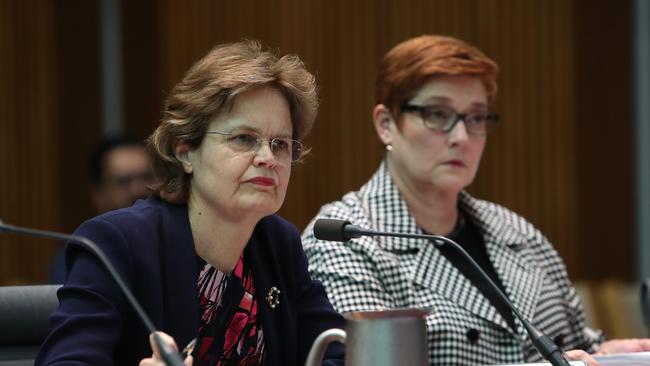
<point x="273" y="297"/>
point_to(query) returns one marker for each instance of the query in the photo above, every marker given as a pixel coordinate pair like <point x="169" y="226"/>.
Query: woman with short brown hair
<point x="206" y="255"/>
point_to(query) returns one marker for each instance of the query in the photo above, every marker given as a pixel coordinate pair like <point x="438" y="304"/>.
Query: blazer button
<point x="559" y="340"/>
<point x="472" y="336"/>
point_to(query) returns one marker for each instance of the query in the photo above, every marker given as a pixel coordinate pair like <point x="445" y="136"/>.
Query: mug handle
<point x="317" y="351"/>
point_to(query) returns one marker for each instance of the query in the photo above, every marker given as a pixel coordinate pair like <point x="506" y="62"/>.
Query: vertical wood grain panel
<point x="605" y="145"/>
<point x="142" y="93"/>
<point x="78" y="99"/>
<point x="28" y="153"/>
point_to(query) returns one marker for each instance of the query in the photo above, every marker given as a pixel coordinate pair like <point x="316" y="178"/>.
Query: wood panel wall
<point x="605" y="147"/>
<point x="78" y="100"/>
<point x="538" y="162"/>
<point x="29" y="178"/>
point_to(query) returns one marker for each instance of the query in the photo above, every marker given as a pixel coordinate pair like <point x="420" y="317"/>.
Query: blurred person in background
<point x="119" y="170"/>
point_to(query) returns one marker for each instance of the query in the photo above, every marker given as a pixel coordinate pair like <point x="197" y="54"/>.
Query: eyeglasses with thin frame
<point x="444" y="119"/>
<point x="283" y="149"/>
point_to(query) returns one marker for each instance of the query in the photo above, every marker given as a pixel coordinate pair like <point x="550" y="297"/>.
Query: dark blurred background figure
<point x="120" y="170"/>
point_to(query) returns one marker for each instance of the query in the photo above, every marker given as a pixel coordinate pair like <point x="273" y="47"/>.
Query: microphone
<point x="170" y="357"/>
<point x="645" y="303"/>
<point x="342" y="230"/>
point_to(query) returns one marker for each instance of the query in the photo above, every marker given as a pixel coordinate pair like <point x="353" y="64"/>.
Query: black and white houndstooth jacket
<point x="463" y="328"/>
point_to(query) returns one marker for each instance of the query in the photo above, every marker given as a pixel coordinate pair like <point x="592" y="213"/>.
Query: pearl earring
<point x="389" y="147"/>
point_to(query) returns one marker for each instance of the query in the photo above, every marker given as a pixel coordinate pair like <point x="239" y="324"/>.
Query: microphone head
<point x="331" y="229"/>
<point x="645" y="301"/>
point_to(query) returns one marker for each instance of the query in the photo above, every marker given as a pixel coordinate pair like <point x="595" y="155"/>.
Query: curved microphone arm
<point x="546" y="347"/>
<point x="170" y="356"/>
<point x="341" y="230"/>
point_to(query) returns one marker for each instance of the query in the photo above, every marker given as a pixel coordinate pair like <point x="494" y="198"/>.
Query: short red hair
<point x="410" y="64"/>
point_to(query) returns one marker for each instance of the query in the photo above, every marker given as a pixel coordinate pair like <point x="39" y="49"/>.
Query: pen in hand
<point x="188" y="349"/>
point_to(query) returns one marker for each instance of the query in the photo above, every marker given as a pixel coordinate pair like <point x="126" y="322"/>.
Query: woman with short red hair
<point x="432" y="114"/>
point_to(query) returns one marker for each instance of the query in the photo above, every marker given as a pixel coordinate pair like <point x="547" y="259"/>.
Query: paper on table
<point x="627" y="359"/>
<point x="572" y="363"/>
<point x="619" y="359"/>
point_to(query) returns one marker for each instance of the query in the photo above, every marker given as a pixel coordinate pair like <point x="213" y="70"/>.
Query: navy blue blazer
<point x="151" y="246"/>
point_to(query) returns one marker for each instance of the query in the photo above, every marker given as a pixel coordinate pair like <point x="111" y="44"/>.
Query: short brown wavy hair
<point x="410" y="64"/>
<point x="209" y="89"/>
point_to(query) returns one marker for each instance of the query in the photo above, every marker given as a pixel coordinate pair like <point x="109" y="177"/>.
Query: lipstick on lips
<point x="263" y="181"/>
<point x="455" y="162"/>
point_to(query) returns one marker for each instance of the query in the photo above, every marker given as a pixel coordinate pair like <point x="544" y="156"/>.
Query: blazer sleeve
<point x="315" y="313"/>
<point x="86" y="327"/>
<point x="350" y="273"/>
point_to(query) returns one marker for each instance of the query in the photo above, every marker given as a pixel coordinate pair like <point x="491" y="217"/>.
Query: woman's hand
<point x="156" y="359"/>
<point x="580" y="355"/>
<point x="609" y="347"/>
<point x="624" y="346"/>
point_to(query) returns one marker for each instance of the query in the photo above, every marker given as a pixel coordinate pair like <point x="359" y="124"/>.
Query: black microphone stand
<point x="170" y="357"/>
<point x="546" y="347"/>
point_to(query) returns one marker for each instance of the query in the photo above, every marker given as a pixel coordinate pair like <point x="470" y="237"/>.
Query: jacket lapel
<point x="180" y="274"/>
<point x="431" y="270"/>
<point x="522" y="281"/>
<point x="434" y="272"/>
<point x="265" y="278"/>
<point x="388" y="212"/>
<point x="506" y="247"/>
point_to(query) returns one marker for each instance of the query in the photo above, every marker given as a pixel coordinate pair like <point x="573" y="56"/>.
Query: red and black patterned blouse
<point x="230" y="331"/>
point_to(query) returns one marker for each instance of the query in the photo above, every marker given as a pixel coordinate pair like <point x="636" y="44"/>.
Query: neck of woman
<point x="218" y="239"/>
<point x="434" y="210"/>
